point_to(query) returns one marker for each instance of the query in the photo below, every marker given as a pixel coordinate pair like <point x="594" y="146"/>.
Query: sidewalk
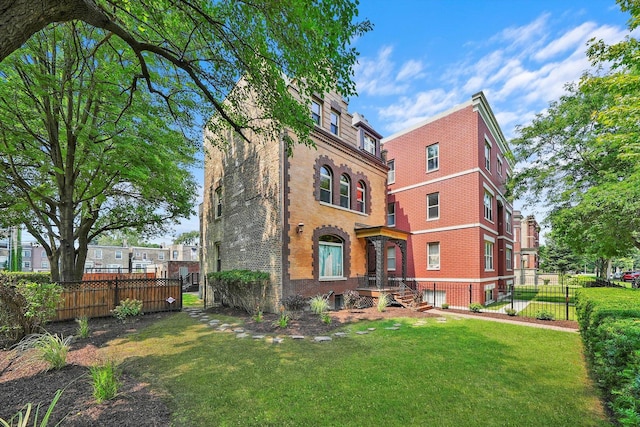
<point x="444" y="313"/>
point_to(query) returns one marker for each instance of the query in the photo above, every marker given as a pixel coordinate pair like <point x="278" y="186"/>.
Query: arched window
<point x="331" y="257"/>
<point x="326" y="183"/>
<point x="217" y="201"/>
<point x="345" y="192"/>
<point x="361" y="196"/>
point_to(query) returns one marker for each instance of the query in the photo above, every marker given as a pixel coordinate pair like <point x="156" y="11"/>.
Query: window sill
<point x="332" y="279"/>
<point x="330" y="205"/>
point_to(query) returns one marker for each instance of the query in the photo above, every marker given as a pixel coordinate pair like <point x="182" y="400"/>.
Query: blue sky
<point x="425" y="56"/>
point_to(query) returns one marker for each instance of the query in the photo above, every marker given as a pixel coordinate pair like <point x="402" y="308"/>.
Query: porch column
<point x="379" y="243"/>
<point x="402" y="244"/>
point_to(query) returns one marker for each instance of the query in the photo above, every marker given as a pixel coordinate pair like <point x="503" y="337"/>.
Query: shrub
<point x="283" y="320"/>
<point x="383" y="302"/>
<point x="546" y="281"/>
<point x="105" y="382"/>
<point x="51" y="349"/>
<point x="258" y="316"/>
<point x="243" y="289"/>
<point x="511" y="311"/>
<point x="22" y="417"/>
<point x="544" y="315"/>
<point x="319" y="304"/>
<point x="444" y="306"/>
<point x="350" y="299"/>
<point x="127" y="308"/>
<point x="294" y="302"/>
<point x="27" y="301"/>
<point x="326" y="318"/>
<point x="475" y="307"/>
<point x="83" y="327"/>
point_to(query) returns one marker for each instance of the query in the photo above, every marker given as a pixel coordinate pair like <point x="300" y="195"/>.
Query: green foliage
<point x="51" y="349"/>
<point x="26" y="305"/>
<point x="258" y="317"/>
<point x="319" y="304"/>
<point x="244" y="289"/>
<point x="475" y="307"/>
<point x="544" y="314"/>
<point x="444" y="306"/>
<point x="283" y="320"/>
<point x="383" y="302"/>
<point x="187" y="238"/>
<point x="610" y="328"/>
<point x="22" y="418"/>
<point x="127" y="308"/>
<point x="326" y="318"/>
<point x="83" y="330"/>
<point x="105" y="381"/>
<point x="511" y="311"/>
<point x="294" y="302"/>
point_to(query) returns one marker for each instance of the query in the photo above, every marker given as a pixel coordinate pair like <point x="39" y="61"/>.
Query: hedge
<point x="245" y="289"/>
<point x="610" y="327"/>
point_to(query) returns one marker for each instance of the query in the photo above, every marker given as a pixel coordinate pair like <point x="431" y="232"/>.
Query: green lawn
<point x="559" y="311"/>
<point x="191" y="300"/>
<point x="459" y="373"/>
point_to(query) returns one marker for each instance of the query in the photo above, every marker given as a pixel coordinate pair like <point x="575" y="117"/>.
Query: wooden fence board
<point x="97" y="298"/>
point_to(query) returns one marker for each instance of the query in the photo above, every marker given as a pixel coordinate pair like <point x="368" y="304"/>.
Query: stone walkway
<point x="495" y="319"/>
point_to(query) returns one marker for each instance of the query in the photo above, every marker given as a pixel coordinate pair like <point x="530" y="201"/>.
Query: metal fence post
<point x="434" y="294"/>
<point x="567" y="302"/>
<point x="470" y="293"/>
<point x="512" y="289"/>
<point x="116" y="294"/>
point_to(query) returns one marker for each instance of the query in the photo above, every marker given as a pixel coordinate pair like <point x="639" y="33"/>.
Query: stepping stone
<point x="277" y="340"/>
<point x="371" y="329"/>
<point x="242" y="335"/>
<point x="322" y="339"/>
<point x="258" y="337"/>
<point x="442" y="320"/>
<point x="362" y="332"/>
<point x="420" y="323"/>
<point x="340" y="334"/>
<point x="392" y="328"/>
<point x="214" y="321"/>
<point x="225" y="326"/>
<point x="297" y="337"/>
<point x="238" y="330"/>
<point x="397" y="325"/>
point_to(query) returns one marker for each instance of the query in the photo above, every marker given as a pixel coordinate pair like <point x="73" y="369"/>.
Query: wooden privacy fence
<point x="96" y="298"/>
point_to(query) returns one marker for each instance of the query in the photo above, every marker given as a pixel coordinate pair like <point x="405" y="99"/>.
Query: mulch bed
<point x="23" y="380"/>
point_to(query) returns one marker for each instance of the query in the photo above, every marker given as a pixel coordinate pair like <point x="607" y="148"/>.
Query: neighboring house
<point x="315" y="221"/>
<point x="526" y="247"/>
<point x="446" y="186"/>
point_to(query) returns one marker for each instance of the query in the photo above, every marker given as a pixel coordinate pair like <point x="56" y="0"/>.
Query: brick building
<point x="315" y="220"/>
<point x="526" y="247"/>
<point x="446" y="187"/>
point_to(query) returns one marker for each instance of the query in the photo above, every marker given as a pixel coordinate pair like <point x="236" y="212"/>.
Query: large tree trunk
<point x="20" y="19"/>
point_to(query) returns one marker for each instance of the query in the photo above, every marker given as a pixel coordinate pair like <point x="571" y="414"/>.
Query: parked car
<point x="617" y="275"/>
<point x="629" y="276"/>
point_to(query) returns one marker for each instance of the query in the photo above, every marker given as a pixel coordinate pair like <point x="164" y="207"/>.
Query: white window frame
<point x="433" y="259"/>
<point x="161" y="256"/>
<point x="44" y="264"/>
<point x="391" y="174"/>
<point x="508" y="257"/>
<point x="345" y="191"/>
<point x="499" y="166"/>
<point x="26" y="253"/>
<point x="26" y="265"/>
<point x="430" y="206"/>
<point x="435" y="158"/>
<point x="487" y="155"/>
<point x="316" y="112"/>
<point x="118" y="255"/>
<point x="320" y="272"/>
<point x="324" y="176"/>
<point x="508" y="221"/>
<point x="487" y="202"/>
<point x="369" y="144"/>
<point x="391" y="258"/>
<point x="97" y="253"/>
<point x="488" y="254"/>
<point x="391" y="216"/>
<point x="361" y="197"/>
<point x="335" y="122"/>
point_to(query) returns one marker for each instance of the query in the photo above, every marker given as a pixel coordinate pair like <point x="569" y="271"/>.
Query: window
<point x="487" y="156"/>
<point x="44" y="264"/>
<point x="391" y="258"/>
<point x="218" y="257"/>
<point x="97" y="253"/>
<point x="144" y="255"/>
<point x="433" y="155"/>
<point x="26" y="253"/>
<point x="391" y="175"/>
<point x="326" y="180"/>
<point x="391" y="214"/>
<point x="499" y="166"/>
<point x="509" y="258"/>
<point x="26" y="265"/>
<point x="335" y="123"/>
<point x="316" y="112"/>
<point x="488" y="206"/>
<point x="361" y="197"/>
<point x="369" y="144"/>
<point x="488" y="255"/>
<point x="218" y="202"/>
<point x="433" y="254"/>
<point x="508" y="221"/>
<point x="161" y="256"/>
<point x="433" y="206"/>
<point x="175" y="255"/>
<point x="331" y="255"/>
<point x="118" y="254"/>
<point x="345" y="192"/>
<point x="114" y="268"/>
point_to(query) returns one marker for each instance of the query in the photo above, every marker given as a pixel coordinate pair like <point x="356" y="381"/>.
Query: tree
<point x="82" y="150"/>
<point x="558" y="257"/>
<point x="187" y="238"/>
<point x="202" y="48"/>
<point x="581" y="155"/>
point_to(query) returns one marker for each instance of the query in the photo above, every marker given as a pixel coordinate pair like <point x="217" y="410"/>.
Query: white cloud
<point x="575" y="38"/>
<point x="373" y="76"/>
<point x="410" y="110"/>
<point x="411" y="69"/>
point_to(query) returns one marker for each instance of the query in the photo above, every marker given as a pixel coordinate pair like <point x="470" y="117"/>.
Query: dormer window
<point x="369" y="144"/>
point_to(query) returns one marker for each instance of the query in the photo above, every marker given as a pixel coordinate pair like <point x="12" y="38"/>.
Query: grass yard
<point x="458" y="373"/>
<point x="191" y="300"/>
<point x="559" y="311"/>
